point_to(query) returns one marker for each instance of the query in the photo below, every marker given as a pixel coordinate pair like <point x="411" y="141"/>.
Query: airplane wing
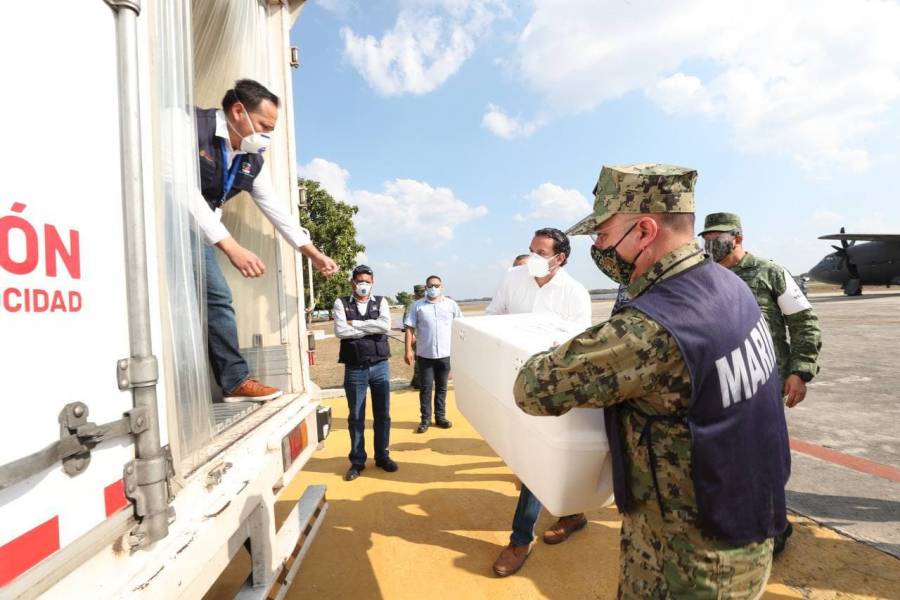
<point x="863" y="237"/>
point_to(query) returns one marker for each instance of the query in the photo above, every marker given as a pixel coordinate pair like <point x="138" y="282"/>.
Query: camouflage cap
<point x="721" y="222"/>
<point x="643" y="188"/>
<point x="418" y="289"/>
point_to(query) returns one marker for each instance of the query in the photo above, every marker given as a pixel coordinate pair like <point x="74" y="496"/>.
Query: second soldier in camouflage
<point x="791" y="319"/>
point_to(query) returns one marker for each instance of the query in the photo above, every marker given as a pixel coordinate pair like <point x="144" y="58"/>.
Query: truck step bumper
<point x="291" y="545"/>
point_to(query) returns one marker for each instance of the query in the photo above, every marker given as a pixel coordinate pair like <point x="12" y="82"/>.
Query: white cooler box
<point x="564" y="460"/>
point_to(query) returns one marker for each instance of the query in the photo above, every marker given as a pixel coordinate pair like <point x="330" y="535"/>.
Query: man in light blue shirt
<point x="429" y="322"/>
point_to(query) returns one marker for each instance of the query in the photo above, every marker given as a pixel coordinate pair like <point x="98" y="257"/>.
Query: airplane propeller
<point x="845" y="256"/>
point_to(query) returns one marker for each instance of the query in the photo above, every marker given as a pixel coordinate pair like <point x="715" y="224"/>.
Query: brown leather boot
<point x="564" y="527"/>
<point x="511" y="559"/>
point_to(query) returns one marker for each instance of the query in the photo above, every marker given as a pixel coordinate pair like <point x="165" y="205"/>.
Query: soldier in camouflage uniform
<point x="792" y="321"/>
<point x="418" y="294"/>
<point x="631" y="365"/>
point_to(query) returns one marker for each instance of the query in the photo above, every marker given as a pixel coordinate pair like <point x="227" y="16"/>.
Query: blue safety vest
<point x="740" y="457"/>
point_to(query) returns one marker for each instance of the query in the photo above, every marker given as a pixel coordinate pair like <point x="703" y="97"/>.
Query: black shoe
<point x="422" y="428"/>
<point x="781" y="540"/>
<point x="387" y="464"/>
<point x="443" y="423"/>
<point x="353" y="472"/>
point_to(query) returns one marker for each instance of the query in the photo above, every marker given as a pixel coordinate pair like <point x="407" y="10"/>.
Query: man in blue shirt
<point x="428" y="322"/>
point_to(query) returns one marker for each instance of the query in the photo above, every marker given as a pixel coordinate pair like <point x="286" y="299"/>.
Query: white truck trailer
<point x="121" y="472"/>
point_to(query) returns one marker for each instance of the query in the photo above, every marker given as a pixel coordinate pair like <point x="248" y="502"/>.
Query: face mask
<point x="362" y="288"/>
<point x="538" y="266"/>
<point x="255" y="143"/>
<point x="718" y="249"/>
<point x="433" y="292"/>
<point x="614" y="266"/>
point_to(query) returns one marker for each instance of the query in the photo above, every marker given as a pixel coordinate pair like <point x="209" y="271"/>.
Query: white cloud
<point x="502" y="125"/>
<point x="552" y="203"/>
<point x="404" y="208"/>
<point x="806" y="79"/>
<point x="429" y="42"/>
<point x="330" y="176"/>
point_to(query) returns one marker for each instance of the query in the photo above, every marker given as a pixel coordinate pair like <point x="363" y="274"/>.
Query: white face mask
<point x="363" y="288"/>
<point x="255" y="143"/>
<point x="538" y="266"/>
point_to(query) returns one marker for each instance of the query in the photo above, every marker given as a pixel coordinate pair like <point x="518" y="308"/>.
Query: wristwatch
<point x="806" y="377"/>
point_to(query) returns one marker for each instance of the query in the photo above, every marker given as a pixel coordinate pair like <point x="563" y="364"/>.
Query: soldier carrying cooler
<point x="686" y="374"/>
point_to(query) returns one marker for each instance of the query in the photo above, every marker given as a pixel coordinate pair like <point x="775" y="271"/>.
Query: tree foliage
<point x="330" y="225"/>
<point x="404" y="299"/>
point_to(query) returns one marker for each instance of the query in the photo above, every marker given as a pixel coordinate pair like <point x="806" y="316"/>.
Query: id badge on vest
<point x="228" y="175"/>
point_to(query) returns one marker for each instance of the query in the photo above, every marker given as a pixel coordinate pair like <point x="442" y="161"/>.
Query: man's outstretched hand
<point x="324" y="265"/>
<point x="247" y="263"/>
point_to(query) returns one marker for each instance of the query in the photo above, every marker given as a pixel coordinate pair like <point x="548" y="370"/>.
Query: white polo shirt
<point x="562" y="296"/>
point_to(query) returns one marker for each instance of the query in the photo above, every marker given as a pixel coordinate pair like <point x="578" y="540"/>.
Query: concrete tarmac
<point x="432" y="530"/>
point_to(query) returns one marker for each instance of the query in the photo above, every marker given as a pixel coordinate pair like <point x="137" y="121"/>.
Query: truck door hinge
<point x="143" y="479"/>
<point x="137" y="371"/>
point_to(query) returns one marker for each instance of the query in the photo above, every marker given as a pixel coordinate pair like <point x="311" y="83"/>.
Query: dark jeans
<point x="433" y="372"/>
<point x="228" y="366"/>
<point x="357" y="380"/>
<point x="527" y="511"/>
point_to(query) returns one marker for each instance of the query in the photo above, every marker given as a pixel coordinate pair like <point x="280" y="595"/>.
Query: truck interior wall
<point x="177" y="236"/>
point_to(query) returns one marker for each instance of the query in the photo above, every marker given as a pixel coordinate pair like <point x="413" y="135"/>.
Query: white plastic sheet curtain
<point x="231" y="42"/>
<point x="179" y="238"/>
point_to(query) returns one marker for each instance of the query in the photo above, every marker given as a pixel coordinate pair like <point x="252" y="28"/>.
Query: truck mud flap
<point x="292" y="543"/>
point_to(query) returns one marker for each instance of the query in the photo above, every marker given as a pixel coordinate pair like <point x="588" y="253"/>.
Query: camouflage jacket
<point x="632" y="361"/>
<point x="792" y="322"/>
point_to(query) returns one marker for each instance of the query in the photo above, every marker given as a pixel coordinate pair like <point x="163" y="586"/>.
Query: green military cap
<point x="643" y="188"/>
<point x="721" y="222"/>
<point x="418" y="289"/>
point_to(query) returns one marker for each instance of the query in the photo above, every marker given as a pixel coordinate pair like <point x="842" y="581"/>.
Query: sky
<point x="459" y="127"/>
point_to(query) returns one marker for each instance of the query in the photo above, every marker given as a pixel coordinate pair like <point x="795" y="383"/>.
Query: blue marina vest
<point x="740" y="457"/>
<point x="213" y="172"/>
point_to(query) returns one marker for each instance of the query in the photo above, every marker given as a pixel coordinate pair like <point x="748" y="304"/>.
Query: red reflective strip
<point x="28" y="549"/>
<point x="845" y="460"/>
<point x="114" y="497"/>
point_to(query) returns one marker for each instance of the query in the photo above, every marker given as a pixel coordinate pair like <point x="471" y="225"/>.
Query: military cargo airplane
<point x="874" y="263"/>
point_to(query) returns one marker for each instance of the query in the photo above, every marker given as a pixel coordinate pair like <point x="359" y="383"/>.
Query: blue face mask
<point x="433" y="292"/>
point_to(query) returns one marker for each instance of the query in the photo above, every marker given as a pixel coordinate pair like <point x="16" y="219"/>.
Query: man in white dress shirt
<point x="231" y="143"/>
<point x="541" y="285"/>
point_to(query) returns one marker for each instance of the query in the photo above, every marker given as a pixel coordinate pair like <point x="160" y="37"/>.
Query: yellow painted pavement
<point x="433" y="529"/>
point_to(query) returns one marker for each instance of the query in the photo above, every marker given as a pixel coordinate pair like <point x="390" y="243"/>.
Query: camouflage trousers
<point x="670" y="558"/>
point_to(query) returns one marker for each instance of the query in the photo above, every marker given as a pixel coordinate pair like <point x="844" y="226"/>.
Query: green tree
<point x="330" y="225"/>
<point x="404" y="299"/>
